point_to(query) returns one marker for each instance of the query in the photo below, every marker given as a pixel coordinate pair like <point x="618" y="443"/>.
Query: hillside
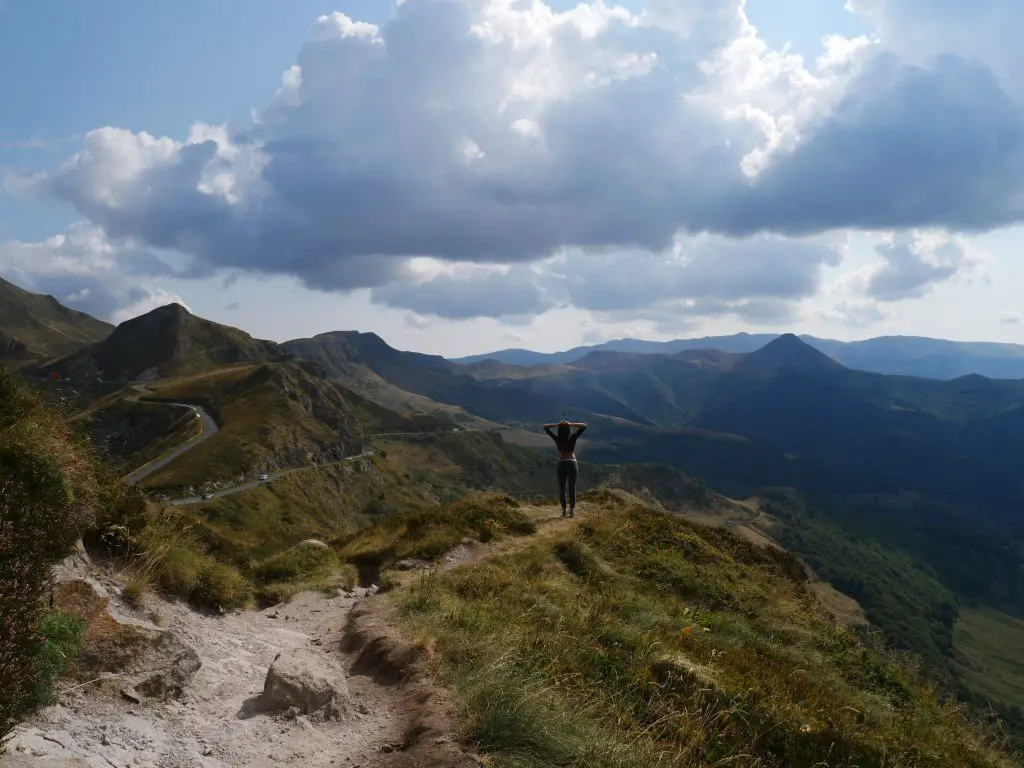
<point x="432" y="377"/>
<point x="168" y="341"/>
<point x="894" y="355"/>
<point x="642" y="639"/>
<point x="270" y="416"/>
<point x="34" y="327"/>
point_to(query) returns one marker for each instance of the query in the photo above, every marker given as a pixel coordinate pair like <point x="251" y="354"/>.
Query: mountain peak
<point x="34" y="326"/>
<point x="788" y="351"/>
<point x="168" y="341"/>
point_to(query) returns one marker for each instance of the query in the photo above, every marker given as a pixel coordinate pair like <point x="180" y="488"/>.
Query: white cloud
<point x="915" y="262"/>
<point x="497" y="158"/>
<point x="147" y="300"/>
<point x="84" y="269"/>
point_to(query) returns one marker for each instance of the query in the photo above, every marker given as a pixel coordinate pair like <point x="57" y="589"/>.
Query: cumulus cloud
<point x="588" y="143"/>
<point x="502" y="293"/>
<point x="914" y="263"/>
<point x="982" y="30"/>
<point x="85" y="269"/>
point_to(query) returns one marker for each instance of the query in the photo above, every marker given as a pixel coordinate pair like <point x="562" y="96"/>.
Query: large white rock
<point x="310" y="681"/>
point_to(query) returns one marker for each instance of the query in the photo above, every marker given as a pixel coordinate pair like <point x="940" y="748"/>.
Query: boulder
<point x="170" y="681"/>
<point x="309" y="681"/>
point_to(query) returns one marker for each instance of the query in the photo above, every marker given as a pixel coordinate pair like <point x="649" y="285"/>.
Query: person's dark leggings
<point x="568" y="472"/>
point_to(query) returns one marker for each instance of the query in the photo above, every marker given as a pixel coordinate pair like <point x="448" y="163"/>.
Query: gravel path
<point x="216" y="723"/>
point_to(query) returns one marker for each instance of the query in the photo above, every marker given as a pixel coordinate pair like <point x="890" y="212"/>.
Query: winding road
<point x="254" y="483"/>
<point x="209" y="429"/>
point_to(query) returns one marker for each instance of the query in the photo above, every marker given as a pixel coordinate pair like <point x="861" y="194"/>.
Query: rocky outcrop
<point x="170" y="681"/>
<point x="145" y="660"/>
<point x="305" y="680"/>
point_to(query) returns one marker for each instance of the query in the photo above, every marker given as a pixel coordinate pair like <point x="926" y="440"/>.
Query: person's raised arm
<point x="580" y="428"/>
<point x="549" y="426"/>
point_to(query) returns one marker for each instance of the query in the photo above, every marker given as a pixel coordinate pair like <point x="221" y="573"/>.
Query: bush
<point x="47" y="492"/>
<point x="220" y="587"/>
<point x="296" y="563"/>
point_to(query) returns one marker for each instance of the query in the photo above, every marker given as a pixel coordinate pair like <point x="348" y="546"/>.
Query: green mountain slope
<point x="168" y="341"/>
<point x="35" y="327"/>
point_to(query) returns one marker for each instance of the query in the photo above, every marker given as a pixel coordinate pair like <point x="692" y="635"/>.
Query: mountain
<point x="934" y="464"/>
<point x="168" y="341"/>
<point x="35" y="327"/>
<point x="789" y="353"/>
<point x="738" y="343"/>
<point x="895" y="355"/>
<point x="438" y="379"/>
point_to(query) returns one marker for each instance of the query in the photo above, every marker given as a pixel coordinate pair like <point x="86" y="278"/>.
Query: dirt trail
<point x="399" y="718"/>
<point x="217" y="723"/>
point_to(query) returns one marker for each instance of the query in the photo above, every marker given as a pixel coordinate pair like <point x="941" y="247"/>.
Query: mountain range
<point x="893" y="355"/>
<point x="928" y="468"/>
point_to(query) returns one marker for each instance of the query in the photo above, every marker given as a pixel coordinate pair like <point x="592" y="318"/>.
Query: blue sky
<point x="458" y="277"/>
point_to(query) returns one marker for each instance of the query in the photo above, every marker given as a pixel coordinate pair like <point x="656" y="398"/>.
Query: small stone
<point x="207" y="751"/>
<point x="129" y="694"/>
<point x="104" y="740"/>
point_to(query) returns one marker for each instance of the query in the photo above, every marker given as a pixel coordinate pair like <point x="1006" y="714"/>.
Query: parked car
<point x="264" y="477"/>
<point x="207" y="496"/>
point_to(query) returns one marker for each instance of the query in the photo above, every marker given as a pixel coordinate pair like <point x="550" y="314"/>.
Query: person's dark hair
<point x="563" y="430"/>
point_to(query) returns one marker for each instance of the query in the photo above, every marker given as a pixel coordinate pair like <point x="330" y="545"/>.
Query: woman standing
<point x="568" y="468"/>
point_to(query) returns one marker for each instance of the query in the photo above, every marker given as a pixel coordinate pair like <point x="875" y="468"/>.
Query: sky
<point x="460" y="176"/>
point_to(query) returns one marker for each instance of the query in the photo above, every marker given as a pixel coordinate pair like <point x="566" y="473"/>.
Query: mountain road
<point x="209" y="430"/>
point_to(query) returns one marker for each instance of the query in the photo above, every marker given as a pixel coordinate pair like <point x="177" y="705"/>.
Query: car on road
<point x="264" y="477"/>
<point x="207" y="496"/>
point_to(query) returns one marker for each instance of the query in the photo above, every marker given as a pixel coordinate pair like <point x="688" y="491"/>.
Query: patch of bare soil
<point x="394" y="716"/>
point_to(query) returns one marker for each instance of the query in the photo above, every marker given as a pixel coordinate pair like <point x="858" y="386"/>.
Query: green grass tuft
<point x="62" y="641"/>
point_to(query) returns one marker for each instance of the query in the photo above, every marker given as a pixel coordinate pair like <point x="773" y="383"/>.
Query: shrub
<point x="47" y="493"/>
<point x="296" y="563"/>
<point x="220" y="587"/>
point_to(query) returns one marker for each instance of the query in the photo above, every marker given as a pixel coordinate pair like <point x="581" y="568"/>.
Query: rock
<point x="113" y="645"/>
<point x="315" y="543"/>
<point x="76" y="564"/>
<point x="131" y="695"/>
<point x="170" y="681"/>
<point x="411" y="563"/>
<point x="80" y="596"/>
<point x="309" y="681"/>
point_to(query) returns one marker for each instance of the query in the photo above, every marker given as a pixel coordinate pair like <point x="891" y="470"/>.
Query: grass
<point x="430" y="533"/>
<point x="640" y="639"/>
<point x="989" y="654"/>
<point x="300" y="568"/>
<point x="266" y="413"/>
<point x="325" y="502"/>
<point x="62" y="640"/>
